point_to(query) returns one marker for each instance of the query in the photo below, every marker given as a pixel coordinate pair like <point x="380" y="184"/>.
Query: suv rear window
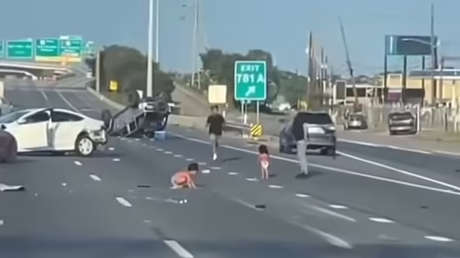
<point x="312" y="118"/>
<point x="401" y="116"/>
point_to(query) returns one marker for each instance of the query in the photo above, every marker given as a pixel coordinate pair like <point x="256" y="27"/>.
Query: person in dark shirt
<point x="299" y="135"/>
<point x="215" y="122"/>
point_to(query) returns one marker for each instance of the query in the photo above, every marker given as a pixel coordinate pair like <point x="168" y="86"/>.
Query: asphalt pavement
<point x="367" y="202"/>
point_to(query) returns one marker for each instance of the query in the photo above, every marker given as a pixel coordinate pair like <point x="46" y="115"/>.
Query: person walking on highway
<point x="185" y="179"/>
<point x="215" y="122"/>
<point x="299" y="135"/>
<point x="264" y="161"/>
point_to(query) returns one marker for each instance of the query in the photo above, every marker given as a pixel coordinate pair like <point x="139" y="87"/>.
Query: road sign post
<point x="250" y="83"/>
<point x="20" y="49"/>
<point x="47" y="50"/>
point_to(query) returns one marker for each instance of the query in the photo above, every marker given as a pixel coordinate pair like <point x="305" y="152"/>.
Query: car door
<point x="64" y="129"/>
<point x="32" y="131"/>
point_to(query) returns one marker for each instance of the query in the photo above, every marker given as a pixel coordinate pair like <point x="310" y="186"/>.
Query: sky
<point x="278" y="26"/>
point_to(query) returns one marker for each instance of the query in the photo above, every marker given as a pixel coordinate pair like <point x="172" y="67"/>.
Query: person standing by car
<point x="215" y="122"/>
<point x="299" y="135"/>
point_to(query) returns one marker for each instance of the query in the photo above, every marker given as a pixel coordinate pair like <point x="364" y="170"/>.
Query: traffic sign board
<point x="250" y="80"/>
<point x="20" y="49"/>
<point x="71" y="46"/>
<point x="47" y="49"/>
<point x="2" y="48"/>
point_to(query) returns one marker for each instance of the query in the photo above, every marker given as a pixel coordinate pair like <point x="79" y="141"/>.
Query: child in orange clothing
<point x="264" y="161"/>
<point x="185" y="179"/>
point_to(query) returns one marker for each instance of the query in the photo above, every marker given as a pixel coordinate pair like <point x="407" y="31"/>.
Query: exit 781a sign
<point x="250" y="80"/>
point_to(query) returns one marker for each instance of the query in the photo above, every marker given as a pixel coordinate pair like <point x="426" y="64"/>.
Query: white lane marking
<point x="147" y="221"/>
<point x="337" y="170"/>
<point x="178" y="249"/>
<point x="233" y="173"/>
<point x="252" y="179"/>
<point x="45" y="96"/>
<point x="124" y="202"/>
<point x="111" y="149"/>
<point x="168" y="152"/>
<point x="338" y="207"/>
<point x="331" y="239"/>
<point x="381" y="220"/>
<point x="401" y="171"/>
<point x="2" y="222"/>
<point x="137" y="139"/>
<point x="247" y="204"/>
<point x="189" y="159"/>
<point x="78" y="163"/>
<point x="385" y="146"/>
<point x="64" y="184"/>
<point x="300" y="195"/>
<point x="407" y="149"/>
<point x="331" y="213"/>
<point x="206" y="171"/>
<point x="67" y="102"/>
<point x="216" y="168"/>
<point x="276" y="186"/>
<point x="95" y="178"/>
<point x="116" y="160"/>
<point x="448" y="153"/>
<point x="360" y="143"/>
<point x="178" y="156"/>
<point x="202" y="163"/>
<point x="160" y="149"/>
<point x="439" y="238"/>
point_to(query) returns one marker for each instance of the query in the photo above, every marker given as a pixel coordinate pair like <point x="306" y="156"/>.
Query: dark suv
<point x="319" y="132"/>
<point x="402" y="122"/>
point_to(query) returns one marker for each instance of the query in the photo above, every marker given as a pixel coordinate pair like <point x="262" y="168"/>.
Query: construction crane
<point x="350" y="67"/>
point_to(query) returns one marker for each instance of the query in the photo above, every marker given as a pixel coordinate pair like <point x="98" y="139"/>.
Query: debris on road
<point x="6" y="188"/>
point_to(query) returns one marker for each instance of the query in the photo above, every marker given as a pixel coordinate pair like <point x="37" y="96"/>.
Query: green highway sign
<point x="250" y="80"/>
<point x="20" y="49"/>
<point x="2" y="48"/>
<point x="71" y="46"/>
<point x="47" y="47"/>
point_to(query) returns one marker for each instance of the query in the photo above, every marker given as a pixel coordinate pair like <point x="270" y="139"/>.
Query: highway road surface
<point x="367" y="202"/>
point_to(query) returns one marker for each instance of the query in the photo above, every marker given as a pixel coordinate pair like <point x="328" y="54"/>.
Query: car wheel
<point x="84" y="146"/>
<point x="330" y="151"/>
<point x="163" y="123"/>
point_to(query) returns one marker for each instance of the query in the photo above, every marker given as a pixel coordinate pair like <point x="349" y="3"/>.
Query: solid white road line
<point x="439" y="238"/>
<point x="67" y="102"/>
<point x="95" y="178"/>
<point x="381" y="220"/>
<point x="448" y="153"/>
<point x="338" y="207"/>
<point x="178" y="249"/>
<point x="124" y="202"/>
<point x="338" y="170"/>
<point x="385" y="146"/>
<point x="331" y="213"/>
<point x="331" y="239"/>
<point x="360" y="143"/>
<point x="78" y="163"/>
<point x="401" y="171"/>
<point x="116" y="160"/>
<point x="45" y="96"/>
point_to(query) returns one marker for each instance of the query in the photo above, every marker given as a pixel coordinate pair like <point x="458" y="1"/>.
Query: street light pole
<point x="157" y="36"/>
<point x="150" y="51"/>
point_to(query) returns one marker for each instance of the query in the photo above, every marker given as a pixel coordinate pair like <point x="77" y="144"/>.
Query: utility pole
<point x="150" y="52"/>
<point x="194" y="38"/>
<point x="157" y="36"/>
<point x="350" y="68"/>
<point x="433" y="57"/>
<point x="311" y="74"/>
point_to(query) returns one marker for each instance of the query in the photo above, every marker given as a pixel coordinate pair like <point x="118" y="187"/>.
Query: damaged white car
<point x="54" y="130"/>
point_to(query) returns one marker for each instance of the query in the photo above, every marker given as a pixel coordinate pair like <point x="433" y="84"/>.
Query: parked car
<point x="319" y="133"/>
<point x="355" y="121"/>
<point x="402" y="122"/>
<point x="54" y="130"/>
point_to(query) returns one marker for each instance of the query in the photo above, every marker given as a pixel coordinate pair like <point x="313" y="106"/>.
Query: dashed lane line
<point x="338" y="206"/>
<point x="439" y="238"/>
<point x="95" y="178"/>
<point x="78" y="163"/>
<point x="381" y="220"/>
<point x="124" y="202"/>
<point x="178" y="249"/>
<point x="276" y="186"/>
<point x="301" y="195"/>
<point x="116" y="160"/>
<point x="331" y="213"/>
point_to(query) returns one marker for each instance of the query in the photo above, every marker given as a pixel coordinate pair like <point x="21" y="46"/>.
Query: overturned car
<point x="142" y="117"/>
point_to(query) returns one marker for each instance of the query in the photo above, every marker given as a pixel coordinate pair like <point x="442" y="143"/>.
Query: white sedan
<point x="53" y="129"/>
